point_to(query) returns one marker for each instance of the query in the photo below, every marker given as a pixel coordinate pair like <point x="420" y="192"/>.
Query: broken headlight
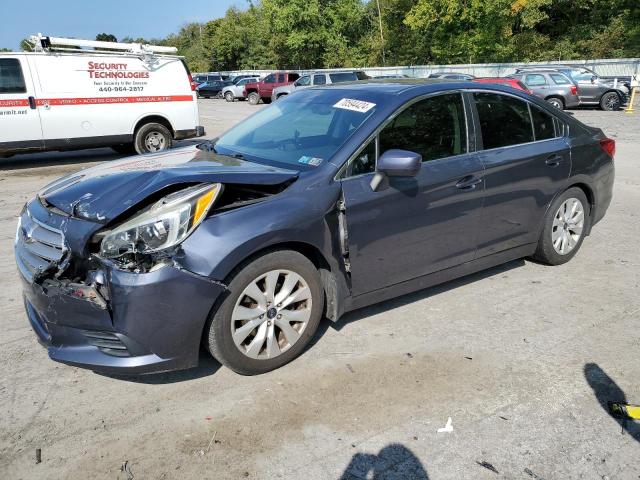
<point x="165" y="224"/>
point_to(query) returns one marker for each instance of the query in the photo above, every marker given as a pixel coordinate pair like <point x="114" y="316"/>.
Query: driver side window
<point x="303" y="81"/>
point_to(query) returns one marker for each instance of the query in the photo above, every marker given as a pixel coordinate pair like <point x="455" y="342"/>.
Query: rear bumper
<point x="152" y="322"/>
<point x="603" y="186"/>
<point x="189" y="133"/>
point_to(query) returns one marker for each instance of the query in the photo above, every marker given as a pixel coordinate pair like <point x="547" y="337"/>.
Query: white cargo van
<point x="130" y="97"/>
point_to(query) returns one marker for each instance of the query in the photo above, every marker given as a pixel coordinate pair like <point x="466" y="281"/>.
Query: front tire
<point x="254" y="98"/>
<point x="152" y="138"/>
<point x="270" y="313"/>
<point x="564" y="229"/>
<point x="610" y="102"/>
<point x="228" y="96"/>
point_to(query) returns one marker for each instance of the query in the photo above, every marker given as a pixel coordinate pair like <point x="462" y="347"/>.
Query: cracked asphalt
<point x="522" y="357"/>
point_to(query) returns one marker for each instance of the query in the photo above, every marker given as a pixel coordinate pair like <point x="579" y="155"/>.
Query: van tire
<point x="254" y="98"/>
<point x="124" y="149"/>
<point x="150" y="135"/>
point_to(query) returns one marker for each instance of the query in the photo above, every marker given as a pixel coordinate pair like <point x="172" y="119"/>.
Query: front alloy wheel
<point x="270" y="311"/>
<point x="271" y="314"/>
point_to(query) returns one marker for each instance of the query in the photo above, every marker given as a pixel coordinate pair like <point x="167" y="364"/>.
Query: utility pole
<point x="384" y="63"/>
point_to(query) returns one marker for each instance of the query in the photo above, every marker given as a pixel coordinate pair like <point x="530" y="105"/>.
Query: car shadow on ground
<point x="419" y="295"/>
<point x="606" y="391"/>
<point x="207" y="366"/>
<point x="393" y="462"/>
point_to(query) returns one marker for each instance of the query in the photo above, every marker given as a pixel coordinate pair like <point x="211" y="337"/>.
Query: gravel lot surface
<point x="522" y="357"/>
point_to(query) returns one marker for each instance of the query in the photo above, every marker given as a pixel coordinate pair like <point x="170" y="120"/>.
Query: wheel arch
<point x="154" y="118"/>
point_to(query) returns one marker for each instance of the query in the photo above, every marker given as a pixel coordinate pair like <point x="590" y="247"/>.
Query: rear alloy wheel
<point x="228" y="96"/>
<point x="566" y="222"/>
<point x="254" y="98"/>
<point x="556" y="103"/>
<point x="610" y="102"/>
<point x="270" y="314"/>
<point x="152" y="138"/>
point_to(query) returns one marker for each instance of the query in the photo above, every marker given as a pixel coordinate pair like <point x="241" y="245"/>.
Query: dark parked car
<point x="331" y="199"/>
<point x="554" y="87"/>
<point x="212" y="89"/>
<point x="451" y="75"/>
<point x="592" y="89"/>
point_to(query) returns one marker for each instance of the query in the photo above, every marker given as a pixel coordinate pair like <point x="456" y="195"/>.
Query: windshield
<point x="301" y="131"/>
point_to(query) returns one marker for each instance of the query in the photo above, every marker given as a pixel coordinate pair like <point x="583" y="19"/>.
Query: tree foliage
<point x="346" y="33"/>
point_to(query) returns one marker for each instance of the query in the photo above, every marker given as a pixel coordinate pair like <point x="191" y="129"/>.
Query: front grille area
<point x="107" y="342"/>
<point x="37" y="246"/>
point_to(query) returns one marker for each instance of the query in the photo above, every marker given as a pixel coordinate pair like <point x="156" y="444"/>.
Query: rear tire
<point x="556" y="103"/>
<point x="610" y="102"/>
<point x="228" y="96"/>
<point x="563" y="221"/>
<point x="254" y="98"/>
<point x="252" y="299"/>
<point x="152" y="138"/>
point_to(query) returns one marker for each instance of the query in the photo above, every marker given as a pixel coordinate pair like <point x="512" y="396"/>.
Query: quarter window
<point x="535" y="80"/>
<point x="11" y="78"/>
<point x="504" y="120"/>
<point x="434" y="127"/>
<point x="543" y="127"/>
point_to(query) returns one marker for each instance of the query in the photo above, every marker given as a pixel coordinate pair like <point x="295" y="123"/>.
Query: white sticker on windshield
<point x="355" y="105"/>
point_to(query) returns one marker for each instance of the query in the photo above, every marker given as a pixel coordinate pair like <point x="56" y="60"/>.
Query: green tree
<point x="106" y="37"/>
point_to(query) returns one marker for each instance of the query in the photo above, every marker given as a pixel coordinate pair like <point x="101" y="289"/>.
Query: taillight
<point x="192" y="83"/>
<point x="609" y="146"/>
<point x="574" y="90"/>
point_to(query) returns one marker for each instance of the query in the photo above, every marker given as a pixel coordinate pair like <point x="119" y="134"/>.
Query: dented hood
<point x="103" y="192"/>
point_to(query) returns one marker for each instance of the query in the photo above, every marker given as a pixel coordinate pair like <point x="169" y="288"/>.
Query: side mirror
<point x="396" y="163"/>
<point x="593" y="79"/>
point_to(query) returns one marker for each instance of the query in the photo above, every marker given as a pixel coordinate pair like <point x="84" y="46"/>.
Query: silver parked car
<point x="231" y="92"/>
<point x="552" y="86"/>
<point x="314" y="79"/>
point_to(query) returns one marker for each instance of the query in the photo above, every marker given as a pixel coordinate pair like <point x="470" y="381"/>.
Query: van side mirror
<point x="396" y="163"/>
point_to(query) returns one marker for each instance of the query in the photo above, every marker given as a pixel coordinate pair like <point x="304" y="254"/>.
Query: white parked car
<point x="231" y="92"/>
<point x="130" y="97"/>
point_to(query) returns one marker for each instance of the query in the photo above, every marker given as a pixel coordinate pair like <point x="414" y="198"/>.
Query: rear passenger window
<point x="543" y="125"/>
<point x="535" y="80"/>
<point x="559" y="79"/>
<point x="434" y="127"/>
<point x="11" y="78"/>
<point x="319" y="79"/>
<point x="504" y="120"/>
<point x="281" y="78"/>
<point x="343" y="77"/>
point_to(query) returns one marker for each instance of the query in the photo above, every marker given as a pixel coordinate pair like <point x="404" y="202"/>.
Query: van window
<point x="543" y="127"/>
<point x="434" y="127"/>
<point x="503" y="120"/>
<point x="11" y="78"/>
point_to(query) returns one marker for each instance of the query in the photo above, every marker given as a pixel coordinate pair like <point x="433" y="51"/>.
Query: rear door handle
<point x="32" y="103"/>
<point x="554" y="160"/>
<point x="468" y="183"/>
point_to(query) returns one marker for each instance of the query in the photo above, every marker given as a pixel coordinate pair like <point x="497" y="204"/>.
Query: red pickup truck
<point x="262" y="89"/>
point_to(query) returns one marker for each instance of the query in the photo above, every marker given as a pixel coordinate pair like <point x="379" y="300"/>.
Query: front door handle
<point x="554" y="160"/>
<point x="32" y="103"/>
<point x="468" y="183"/>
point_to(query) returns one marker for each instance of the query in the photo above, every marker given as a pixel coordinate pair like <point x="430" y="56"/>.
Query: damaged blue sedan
<point x="326" y="201"/>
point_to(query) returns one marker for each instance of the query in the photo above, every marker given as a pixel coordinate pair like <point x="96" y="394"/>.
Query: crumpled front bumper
<point x="154" y="321"/>
<point x="117" y="321"/>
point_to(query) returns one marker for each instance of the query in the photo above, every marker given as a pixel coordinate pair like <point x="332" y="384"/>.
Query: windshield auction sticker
<point x="354" y="105"/>
<point x="313" y="161"/>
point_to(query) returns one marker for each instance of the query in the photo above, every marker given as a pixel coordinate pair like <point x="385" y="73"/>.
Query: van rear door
<point x="20" y="128"/>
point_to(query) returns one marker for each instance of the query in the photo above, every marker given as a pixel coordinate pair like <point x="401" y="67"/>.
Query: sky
<point x="86" y="18"/>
